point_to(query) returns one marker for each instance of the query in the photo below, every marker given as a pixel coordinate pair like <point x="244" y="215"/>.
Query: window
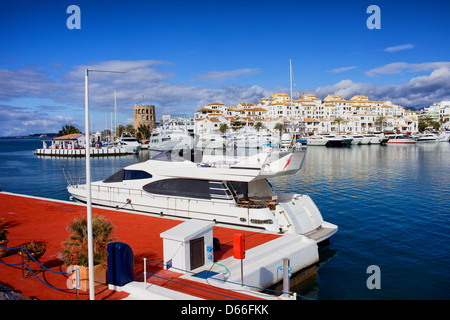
<point x="136" y="174"/>
<point x="191" y="188"/>
<point x="122" y="174"/>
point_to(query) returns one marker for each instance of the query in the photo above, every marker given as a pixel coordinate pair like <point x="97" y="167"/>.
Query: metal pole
<point x="286" y="281"/>
<point x="242" y="272"/>
<point x="88" y="184"/>
<point x="88" y="195"/>
<point x="145" y="273"/>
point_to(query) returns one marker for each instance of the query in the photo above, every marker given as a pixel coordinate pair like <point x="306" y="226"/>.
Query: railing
<point x="294" y="294"/>
<point x="143" y="194"/>
<point x="24" y="265"/>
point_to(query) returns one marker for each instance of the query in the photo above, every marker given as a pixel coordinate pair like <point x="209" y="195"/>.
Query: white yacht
<point x="444" y="136"/>
<point x="211" y="141"/>
<point x="227" y="190"/>
<point x="399" y="138"/>
<point x="375" y="139"/>
<point x="356" y="139"/>
<point x="316" y="141"/>
<point x="253" y="141"/>
<point x="426" y="137"/>
<point x="168" y="139"/>
<point x="346" y="140"/>
<point x="129" y="143"/>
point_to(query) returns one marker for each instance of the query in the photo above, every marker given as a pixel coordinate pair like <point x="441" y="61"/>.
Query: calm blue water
<point x="390" y="202"/>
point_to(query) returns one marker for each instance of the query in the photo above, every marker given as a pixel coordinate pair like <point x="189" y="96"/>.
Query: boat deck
<point x="45" y="220"/>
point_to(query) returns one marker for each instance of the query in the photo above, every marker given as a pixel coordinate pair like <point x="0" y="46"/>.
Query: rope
<point x="31" y="271"/>
<point x="10" y="264"/>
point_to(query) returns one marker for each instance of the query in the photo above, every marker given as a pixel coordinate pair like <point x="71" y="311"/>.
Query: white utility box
<point x="189" y="245"/>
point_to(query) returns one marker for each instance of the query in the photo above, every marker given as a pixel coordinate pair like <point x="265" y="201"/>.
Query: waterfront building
<point x="310" y="114"/>
<point x="438" y="111"/>
<point x="144" y="114"/>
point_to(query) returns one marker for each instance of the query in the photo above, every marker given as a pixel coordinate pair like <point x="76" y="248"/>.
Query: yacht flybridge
<point x="224" y="189"/>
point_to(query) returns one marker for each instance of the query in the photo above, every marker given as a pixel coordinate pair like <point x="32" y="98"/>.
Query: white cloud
<point x="142" y="78"/>
<point x="418" y="92"/>
<point x="339" y="70"/>
<point x="401" y="67"/>
<point x="400" y="47"/>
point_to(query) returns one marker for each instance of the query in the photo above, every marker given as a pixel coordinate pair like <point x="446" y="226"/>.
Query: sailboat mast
<point x="115" y="113"/>
<point x="290" y="74"/>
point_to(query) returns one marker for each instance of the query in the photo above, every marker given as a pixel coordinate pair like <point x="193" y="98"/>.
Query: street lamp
<point x="88" y="183"/>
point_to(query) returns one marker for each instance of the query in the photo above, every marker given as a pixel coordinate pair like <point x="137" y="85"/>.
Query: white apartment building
<point x="311" y="115"/>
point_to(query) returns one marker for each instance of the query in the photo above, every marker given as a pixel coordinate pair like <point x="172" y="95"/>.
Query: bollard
<point x="145" y="273"/>
<point x="286" y="275"/>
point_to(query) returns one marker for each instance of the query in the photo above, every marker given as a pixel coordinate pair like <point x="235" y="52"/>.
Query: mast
<point x="290" y="76"/>
<point x="115" y="113"/>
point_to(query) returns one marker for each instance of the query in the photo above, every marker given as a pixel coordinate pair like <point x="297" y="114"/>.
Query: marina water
<point x="391" y="204"/>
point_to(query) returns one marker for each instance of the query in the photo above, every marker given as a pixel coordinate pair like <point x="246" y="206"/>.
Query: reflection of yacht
<point x="229" y="190"/>
<point x="129" y="143"/>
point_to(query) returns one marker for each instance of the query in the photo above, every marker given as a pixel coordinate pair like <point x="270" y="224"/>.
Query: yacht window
<point x="123" y="174"/>
<point x="190" y="188"/>
<point x="116" y="177"/>
<point x="219" y="191"/>
<point x="136" y="174"/>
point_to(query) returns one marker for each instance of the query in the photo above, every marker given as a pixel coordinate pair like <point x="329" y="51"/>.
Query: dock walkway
<point x="45" y="220"/>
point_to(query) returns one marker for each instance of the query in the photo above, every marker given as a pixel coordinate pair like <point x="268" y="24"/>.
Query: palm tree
<point x="380" y="121"/>
<point x="129" y="128"/>
<point x="223" y="128"/>
<point x="68" y="129"/>
<point x="258" y="126"/>
<point x="425" y="122"/>
<point x="280" y="127"/>
<point x="143" y="131"/>
<point x="120" y="129"/>
<point x="338" y="120"/>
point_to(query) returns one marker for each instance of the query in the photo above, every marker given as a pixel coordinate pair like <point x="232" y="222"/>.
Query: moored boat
<point x="224" y="189"/>
<point x="401" y="139"/>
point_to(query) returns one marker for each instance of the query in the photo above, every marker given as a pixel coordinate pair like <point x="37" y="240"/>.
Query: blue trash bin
<point x="120" y="264"/>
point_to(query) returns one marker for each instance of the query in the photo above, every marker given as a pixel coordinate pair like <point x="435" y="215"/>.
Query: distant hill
<point x="35" y="136"/>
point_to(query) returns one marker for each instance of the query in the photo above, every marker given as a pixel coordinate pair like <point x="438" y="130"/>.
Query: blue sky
<point x="180" y="55"/>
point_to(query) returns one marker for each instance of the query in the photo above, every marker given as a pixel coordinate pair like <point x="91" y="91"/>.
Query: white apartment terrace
<point x="309" y="114"/>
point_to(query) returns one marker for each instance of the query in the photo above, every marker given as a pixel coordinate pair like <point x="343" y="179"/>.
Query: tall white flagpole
<point x="88" y="185"/>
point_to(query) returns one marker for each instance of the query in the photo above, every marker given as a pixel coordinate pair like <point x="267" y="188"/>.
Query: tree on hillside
<point x="69" y="129"/>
